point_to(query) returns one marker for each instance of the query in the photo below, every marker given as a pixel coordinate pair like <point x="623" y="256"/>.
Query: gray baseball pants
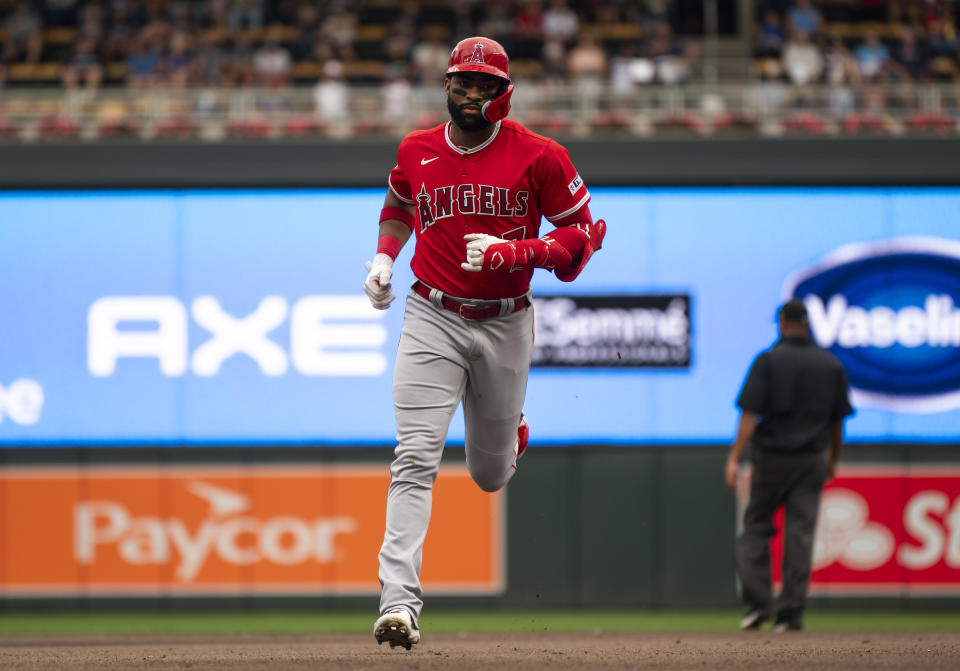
<point x="442" y="360"/>
<point x="796" y="481"/>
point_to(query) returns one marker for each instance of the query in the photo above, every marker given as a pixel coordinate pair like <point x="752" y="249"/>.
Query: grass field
<point x="452" y="621"/>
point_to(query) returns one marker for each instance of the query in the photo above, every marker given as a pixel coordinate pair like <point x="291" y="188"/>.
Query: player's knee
<point x="490" y="486"/>
<point x="488" y="479"/>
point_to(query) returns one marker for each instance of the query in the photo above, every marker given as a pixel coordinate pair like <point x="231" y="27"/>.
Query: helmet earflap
<point x="498" y="108"/>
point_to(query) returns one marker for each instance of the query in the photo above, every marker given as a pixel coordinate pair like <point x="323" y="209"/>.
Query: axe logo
<point x="329" y="335"/>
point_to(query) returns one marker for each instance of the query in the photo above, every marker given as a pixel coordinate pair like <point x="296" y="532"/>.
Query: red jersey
<point x="501" y="187"/>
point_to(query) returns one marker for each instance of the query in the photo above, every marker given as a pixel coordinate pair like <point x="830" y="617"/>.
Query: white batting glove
<point x="377" y="284"/>
<point x="477" y="244"/>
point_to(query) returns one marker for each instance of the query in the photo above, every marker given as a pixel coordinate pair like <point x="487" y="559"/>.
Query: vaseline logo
<point x="891" y="312"/>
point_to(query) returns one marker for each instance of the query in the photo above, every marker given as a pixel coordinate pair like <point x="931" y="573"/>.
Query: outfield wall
<point x="619" y="503"/>
<point x="587" y="526"/>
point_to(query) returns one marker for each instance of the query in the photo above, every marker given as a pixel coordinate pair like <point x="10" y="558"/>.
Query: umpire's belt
<point x="470" y="308"/>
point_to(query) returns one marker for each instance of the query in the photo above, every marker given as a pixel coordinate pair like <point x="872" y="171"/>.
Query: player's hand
<point x="377" y="284"/>
<point x="730" y="474"/>
<point x="488" y="252"/>
<point x="831" y="469"/>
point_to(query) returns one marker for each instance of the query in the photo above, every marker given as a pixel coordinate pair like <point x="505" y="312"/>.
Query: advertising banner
<point x="886" y="530"/>
<point x="232" y="530"/>
<point x="612" y="331"/>
<point x="238" y="317"/>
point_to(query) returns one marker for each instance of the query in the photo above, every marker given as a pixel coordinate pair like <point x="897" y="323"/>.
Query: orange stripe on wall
<point x="289" y="529"/>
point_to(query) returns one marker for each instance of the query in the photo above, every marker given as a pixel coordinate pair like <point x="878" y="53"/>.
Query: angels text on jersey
<point x="482" y="199"/>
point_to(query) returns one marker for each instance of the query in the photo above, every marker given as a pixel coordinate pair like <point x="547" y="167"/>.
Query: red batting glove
<point x="488" y="252"/>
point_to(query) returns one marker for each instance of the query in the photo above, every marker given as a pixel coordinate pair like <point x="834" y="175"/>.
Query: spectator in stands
<point x="465" y="15"/>
<point x="873" y="58"/>
<point x="909" y="56"/>
<point x="497" y="23"/>
<point x="238" y="60"/>
<point x="771" y="92"/>
<point x="216" y="15"/>
<point x="802" y="61"/>
<point x="560" y="23"/>
<point x="121" y="32"/>
<point x="671" y="57"/>
<point x="24" y="35"/>
<point x="944" y="48"/>
<point x="554" y="62"/>
<point x="528" y="30"/>
<point x="339" y="27"/>
<point x="770" y="38"/>
<point x="430" y="58"/>
<point x="306" y="25"/>
<point x="272" y="64"/>
<point x="399" y="43"/>
<point x="622" y="80"/>
<point x="157" y="26"/>
<point x="245" y="14"/>
<point x="93" y="20"/>
<point x="803" y="17"/>
<point x="83" y="68"/>
<point x="176" y="65"/>
<point x="395" y="93"/>
<point x="587" y="65"/>
<point x="142" y="64"/>
<point x="657" y="11"/>
<point x="841" y="75"/>
<point x="331" y="95"/>
<point x="209" y="59"/>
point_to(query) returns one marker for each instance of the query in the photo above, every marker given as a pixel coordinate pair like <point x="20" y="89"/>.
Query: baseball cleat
<point x="396" y="628"/>
<point x="753" y="620"/>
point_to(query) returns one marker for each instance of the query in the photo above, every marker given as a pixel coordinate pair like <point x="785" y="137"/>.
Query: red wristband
<point x="389" y="245"/>
<point x="397" y="213"/>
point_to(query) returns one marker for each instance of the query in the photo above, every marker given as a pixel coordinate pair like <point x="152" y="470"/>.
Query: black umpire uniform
<point x="792" y="404"/>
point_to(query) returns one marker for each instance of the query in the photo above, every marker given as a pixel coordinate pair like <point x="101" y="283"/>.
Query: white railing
<point x="584" y="111"/>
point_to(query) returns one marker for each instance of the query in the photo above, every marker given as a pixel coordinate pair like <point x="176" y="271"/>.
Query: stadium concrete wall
<point x="922" y="161"/>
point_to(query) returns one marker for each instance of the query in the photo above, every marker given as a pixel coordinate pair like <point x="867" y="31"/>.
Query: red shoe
<point x="523" y="437"/>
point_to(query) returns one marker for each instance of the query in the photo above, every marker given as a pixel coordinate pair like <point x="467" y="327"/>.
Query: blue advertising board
<point x="226" y="317"/>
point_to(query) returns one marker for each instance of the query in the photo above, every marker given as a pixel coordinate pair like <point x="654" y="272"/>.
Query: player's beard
<point x="469" y="124"/>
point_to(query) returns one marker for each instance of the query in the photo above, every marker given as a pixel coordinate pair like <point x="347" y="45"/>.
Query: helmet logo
<point x="477" y="56"/>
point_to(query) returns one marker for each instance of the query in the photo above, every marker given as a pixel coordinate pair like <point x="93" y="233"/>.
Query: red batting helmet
<point x="481" y="54"/>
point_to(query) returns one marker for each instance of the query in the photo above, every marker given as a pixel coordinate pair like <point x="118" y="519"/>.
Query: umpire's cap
<point x="793" y="311"/>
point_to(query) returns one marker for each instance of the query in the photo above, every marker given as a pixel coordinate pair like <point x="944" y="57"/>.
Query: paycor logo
<point x="329" y="335"/>
<point x="229" y="533"/>
<point x="889" y="311"/>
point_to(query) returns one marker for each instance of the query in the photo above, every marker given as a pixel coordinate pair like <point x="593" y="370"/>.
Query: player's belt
<point x="470" y="308"/>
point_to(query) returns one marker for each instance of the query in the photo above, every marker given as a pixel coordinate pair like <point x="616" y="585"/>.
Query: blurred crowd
<point x="304" y="60"/>
<point x="229" y="43"/>
<point x="873" y="46"/>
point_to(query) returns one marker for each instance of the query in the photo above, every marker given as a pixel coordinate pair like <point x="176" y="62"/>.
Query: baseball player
<point x="473" y="191"/>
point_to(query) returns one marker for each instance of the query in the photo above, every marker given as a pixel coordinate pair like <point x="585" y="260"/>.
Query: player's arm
<point x="745" y="431"/>
<point x="396" y="226"/>
<point x="836" y="444"/>
<point x="565" y="250"/>
<point x="752" y="402"/>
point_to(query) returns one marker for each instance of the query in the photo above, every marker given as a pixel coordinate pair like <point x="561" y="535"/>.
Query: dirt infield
<point x="735" y="650"/>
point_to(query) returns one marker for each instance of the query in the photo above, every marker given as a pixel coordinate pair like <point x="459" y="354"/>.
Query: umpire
<point x="792" y="404"/>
